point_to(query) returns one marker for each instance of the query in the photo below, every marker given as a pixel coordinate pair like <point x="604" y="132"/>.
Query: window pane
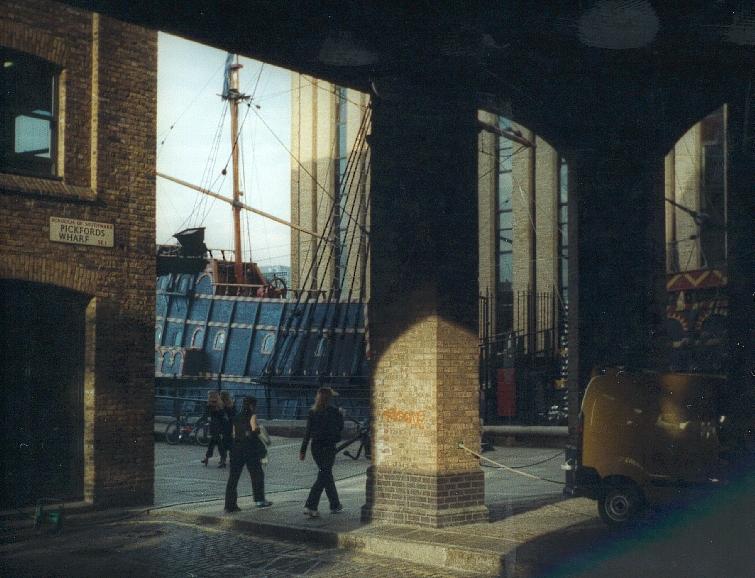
<point x="27" y="114"/>
<point x="33" y="136"/>
<point x="505" y="186"/>
<point x="342" y="141"/>
<point x="563" y="185"/>
<point x="505" y="220"/>
<point x="505" y="269"/>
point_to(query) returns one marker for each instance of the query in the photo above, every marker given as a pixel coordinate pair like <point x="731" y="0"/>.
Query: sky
<point x="194" y="145"/>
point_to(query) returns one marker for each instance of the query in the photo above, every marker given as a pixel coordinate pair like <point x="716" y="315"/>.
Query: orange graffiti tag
<point x="415" y="418"/>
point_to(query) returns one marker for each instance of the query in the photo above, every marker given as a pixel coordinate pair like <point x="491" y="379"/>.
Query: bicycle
<point x="361" y="435"/>
<point x="182" y="430"/>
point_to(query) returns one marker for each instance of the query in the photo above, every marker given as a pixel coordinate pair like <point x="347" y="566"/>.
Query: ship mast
<point x="234" y="96"/>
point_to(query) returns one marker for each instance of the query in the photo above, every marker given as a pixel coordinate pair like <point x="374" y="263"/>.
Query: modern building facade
<point x="523" y="273"/>
<point x="77" y="269"/>
<point x="523" y="215"/>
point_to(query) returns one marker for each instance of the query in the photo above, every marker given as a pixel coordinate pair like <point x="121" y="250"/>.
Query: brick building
<point x="77" y="202"/>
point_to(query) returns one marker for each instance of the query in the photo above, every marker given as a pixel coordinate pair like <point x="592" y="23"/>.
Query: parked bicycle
<point x="361" y="435"/>
<point x="182" y="430"/>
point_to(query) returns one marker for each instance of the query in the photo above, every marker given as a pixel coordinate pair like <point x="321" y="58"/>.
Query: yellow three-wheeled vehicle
<point x="645" y="438"/>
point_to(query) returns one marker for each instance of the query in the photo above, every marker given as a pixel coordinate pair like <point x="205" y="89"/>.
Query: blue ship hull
<point x="278" y="350"/>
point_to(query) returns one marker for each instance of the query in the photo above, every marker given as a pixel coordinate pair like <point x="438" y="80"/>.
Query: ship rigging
<point x="224" y="325"/>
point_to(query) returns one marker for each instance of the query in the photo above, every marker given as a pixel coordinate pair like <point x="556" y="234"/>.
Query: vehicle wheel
<point x="172" y="433"/>
<point x="619" y="505"/>
<point x="203" y="433"/>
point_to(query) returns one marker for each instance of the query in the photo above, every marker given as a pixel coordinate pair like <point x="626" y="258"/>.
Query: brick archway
<point x="37" y="269"/>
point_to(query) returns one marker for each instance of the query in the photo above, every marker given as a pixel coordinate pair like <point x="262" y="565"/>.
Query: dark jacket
<point x="215" y="416"/>
<point x="229" y="414"/>
<point x="323" y="427"/>
<point x="246" y="440"/>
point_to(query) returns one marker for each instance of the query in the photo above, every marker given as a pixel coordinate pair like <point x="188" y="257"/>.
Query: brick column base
<point x="434" y="500"/>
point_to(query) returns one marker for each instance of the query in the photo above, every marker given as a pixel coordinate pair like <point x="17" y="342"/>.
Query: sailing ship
<point x="221" y="324"/>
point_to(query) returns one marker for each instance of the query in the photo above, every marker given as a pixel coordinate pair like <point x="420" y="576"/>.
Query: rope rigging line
<point x="351" y="234"/>
<point x="319" y="250"/>
<point x="298" y="162"/>
<point x="321" y="199"/>
<point x="210" y="167"/>
<point x="307" y="251"/>
<point x="166" y="133"/>
<point x="346" y="190"/>
<point x="224" y="172"/>
<point x="281" y="354"/>
<point x="199" y="200"/>
<point x="247" y="217"/>
<point x="359" y="265"/>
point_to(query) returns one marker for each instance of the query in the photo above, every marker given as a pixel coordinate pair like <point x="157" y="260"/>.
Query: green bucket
<point x="49" y="515"/>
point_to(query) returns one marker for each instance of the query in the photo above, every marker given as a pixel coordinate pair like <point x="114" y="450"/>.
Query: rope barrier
<point x="507" y="468"/>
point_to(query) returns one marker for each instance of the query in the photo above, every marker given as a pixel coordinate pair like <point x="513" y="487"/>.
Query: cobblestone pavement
<point x="142" y="547"/>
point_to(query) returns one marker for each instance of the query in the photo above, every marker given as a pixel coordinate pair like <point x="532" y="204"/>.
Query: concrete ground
<point x="532" y="530"/>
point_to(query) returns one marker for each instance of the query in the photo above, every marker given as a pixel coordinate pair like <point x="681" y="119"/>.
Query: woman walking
<point x="214" y="414"/>
<point x="248" y="450"/>
<point x="324" y="425"/>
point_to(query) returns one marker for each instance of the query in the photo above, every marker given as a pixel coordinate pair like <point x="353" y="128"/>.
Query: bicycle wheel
<point x="171" y="433"/>
<point x="202" y="433"/>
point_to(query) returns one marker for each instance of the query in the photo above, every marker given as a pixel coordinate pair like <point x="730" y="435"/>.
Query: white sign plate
<point x="81" y="232"/>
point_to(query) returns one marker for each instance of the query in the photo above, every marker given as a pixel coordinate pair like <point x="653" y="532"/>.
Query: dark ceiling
<point x="564" y="68"/>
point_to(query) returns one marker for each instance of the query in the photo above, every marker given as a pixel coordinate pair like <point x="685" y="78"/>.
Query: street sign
<point x="78" y="232"/>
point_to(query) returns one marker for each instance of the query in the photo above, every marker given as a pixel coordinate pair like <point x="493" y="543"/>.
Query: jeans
<point x="324" y="457"/>
<point x="239" y="459"/>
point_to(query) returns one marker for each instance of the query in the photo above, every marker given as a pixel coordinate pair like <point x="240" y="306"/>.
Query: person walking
<point x="229" y="414"/>
<point x="214" y="414"/>
<point x="324" y="426"/>
<point x="248" y="450"/>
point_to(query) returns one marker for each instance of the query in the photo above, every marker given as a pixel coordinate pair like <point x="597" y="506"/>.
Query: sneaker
<point x="264" y="504"/>
<point x="337" y="510"/>
<point x="232" y="509"/>
<point x="311" y="513"/>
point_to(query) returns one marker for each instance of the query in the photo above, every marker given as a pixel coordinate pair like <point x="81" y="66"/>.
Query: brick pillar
<point x="119" y="444"/>
<point x="616" y="262"/>
<point x="423" y="311"/>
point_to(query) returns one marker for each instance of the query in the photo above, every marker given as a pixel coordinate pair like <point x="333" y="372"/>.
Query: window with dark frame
<point x="28" y="114"/>
<point x="563" y="231"/>
<point x="505" y="229"/>
<point x="563" y="271"/>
